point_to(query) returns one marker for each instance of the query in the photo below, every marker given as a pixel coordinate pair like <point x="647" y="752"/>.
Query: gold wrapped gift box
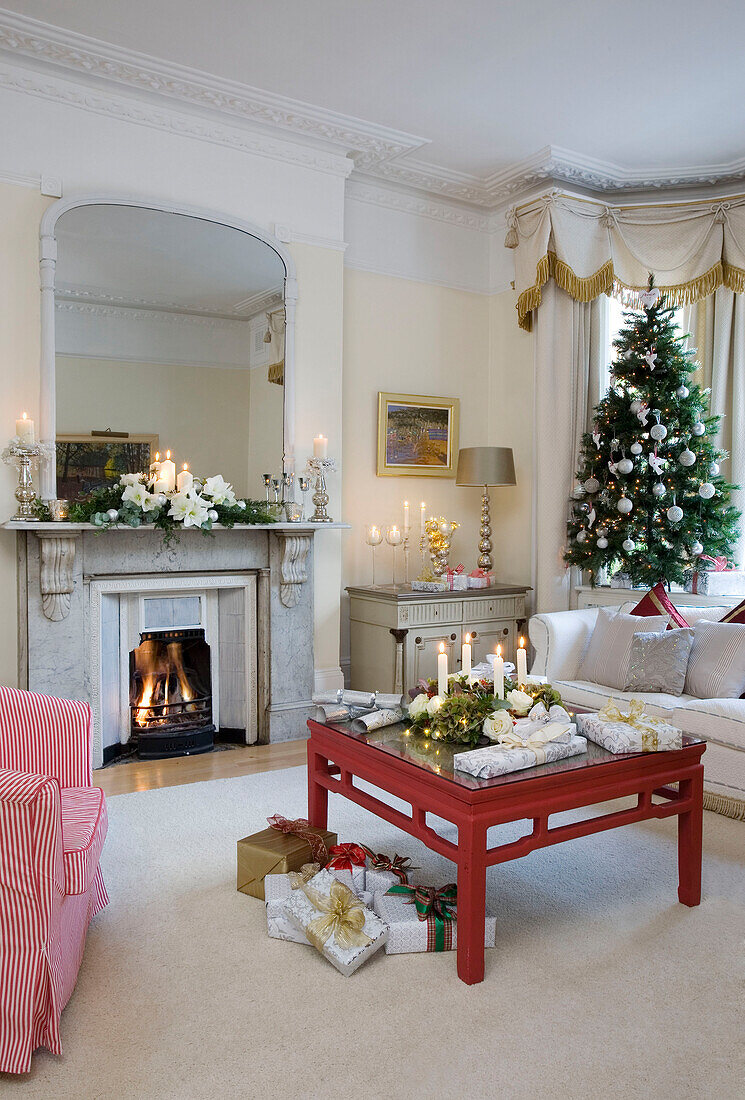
<point x="271" y="852"/>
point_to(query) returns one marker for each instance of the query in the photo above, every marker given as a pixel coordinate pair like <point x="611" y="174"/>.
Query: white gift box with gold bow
<point x="278" y="888"/>
<point x="630" y="729"/>
<point x="334" y="920"/>
<point x="541" y="738"/>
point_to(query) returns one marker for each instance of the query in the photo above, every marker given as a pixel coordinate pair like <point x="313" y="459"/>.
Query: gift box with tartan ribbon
<point x="335" y="922"/>
<point x="384" y="871"/>
<point x="285" y="846"/>
<point x="423" y="918"/>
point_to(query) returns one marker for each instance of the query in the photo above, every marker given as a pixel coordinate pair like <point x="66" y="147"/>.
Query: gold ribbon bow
<point x="305" y="874"/>
<point x="645" y="723"/>
<point x="537" y="740"/>
<point x="342" y="916"/>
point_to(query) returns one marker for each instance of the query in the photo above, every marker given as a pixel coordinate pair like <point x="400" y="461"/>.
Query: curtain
<point x="719" y="329"/>
<point x="571" y="375"/>
<point x="589" y="248"/>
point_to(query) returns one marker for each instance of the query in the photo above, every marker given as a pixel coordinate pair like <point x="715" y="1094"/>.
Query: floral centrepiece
<point x="134" y="501"/>
<point x="471" y="710"/>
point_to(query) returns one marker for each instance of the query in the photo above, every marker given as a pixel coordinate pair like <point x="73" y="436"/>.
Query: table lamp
<point x="485" y="466"/>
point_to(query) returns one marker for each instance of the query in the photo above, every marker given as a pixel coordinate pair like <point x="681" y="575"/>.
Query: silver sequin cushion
<point x="658" y="662"/>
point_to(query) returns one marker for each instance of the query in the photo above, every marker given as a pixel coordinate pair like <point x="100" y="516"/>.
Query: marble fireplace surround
<point x="58" y="561"/>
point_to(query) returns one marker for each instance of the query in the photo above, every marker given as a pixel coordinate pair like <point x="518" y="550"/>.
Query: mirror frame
<point x="48" y="267"/>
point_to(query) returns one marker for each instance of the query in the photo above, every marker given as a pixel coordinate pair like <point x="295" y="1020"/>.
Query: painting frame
<point x="393" y="452"/>
<point x="106" y="443"/>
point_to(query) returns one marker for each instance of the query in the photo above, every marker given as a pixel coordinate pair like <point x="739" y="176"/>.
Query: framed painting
<point x="417" y="436"/>
<point x="86" y="462"/>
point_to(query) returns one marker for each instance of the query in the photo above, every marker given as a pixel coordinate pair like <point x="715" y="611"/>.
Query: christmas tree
<point x="651" y="498"/>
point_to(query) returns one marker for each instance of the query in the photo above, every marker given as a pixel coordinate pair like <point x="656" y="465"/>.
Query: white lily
<point x="136" y="493"/>
<point x="191" y="510"/>
<point x="218" y="490"/>
<point x="130" y="479"/>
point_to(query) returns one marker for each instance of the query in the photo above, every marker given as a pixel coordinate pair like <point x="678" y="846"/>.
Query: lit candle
<point x="442" y="672"/>
<point x="25" y="430"/>
<point x="522" y="663"/>
<point x="407" y="521"/>
<point x="422" y="507"/>
<point x="166" y="481"/>
<point x="465" y="655"/>
<point x="499" y="674"/>
<point x="155" y="466"/>
<point x="185" y="480"/>
<point x="320" y="446"/>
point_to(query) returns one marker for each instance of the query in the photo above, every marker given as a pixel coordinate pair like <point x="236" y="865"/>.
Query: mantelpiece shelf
<point x="61" y="528"/>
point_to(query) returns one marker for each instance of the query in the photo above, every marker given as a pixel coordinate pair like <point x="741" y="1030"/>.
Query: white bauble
<point x="602" y="544"/>
<point x="592" y="485"/>
<point x="579" y="492"/>
<point x="601" y="532"/>
<point x="624" y="505"/>
<point x="628" y="545"/>
<point x="675" y="513"/>
<point x="635" y="405"/>
<point x="682" y="392"/>
<point x="636" y="448"/>
<point x="714" y="469"/>
<point x="706" y="490"/>
<point x="625" y="466"/>
<point x="212" y="514"/>
<point x="686" y="457"/>
<point x="581" y="536"/>
<point x="628" y="354"/>
<point x="697" y="548"/>
<point x="112" y="514"/>
<point x="658" y="489"/>
<point x="162" y="498"/>
<point x="699" y="428"/>
<point x="658" y="431"/>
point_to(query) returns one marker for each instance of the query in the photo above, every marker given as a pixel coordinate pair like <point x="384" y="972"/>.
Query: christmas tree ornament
<point x="635" y="405"/>
<point x="628" y="354"/>
<point x="675" y="512"/>
<point x="592" y="485"/>
<point x="582" y="508"/>
<point x="697" y="548"/>
<point x="714" y="469"/>
<point x="636" y="448"/>
<point x="602" y="544"/>
<point x="699" y="428"/>
<point x="628" y="545"/>
<point x="658" y="489"/>
<point x="658" y="431"/>
<point x="625" y="466"/>
<point x="601" y="532"/>
<point x="686" y="457"/>
<point x="706" y="490"/>
<point x="651" y="358"/>
<point x="596" y="436"/>
<point x="682" y="392"/>
<point x="592" y="516"/>
<point x="612" y="468"/>
<point x="649" y="298"/>
<point x="642" y="414"/>
<point x="656" y="464"/>
<point x="578" y="492"/>
<point x="624" y="505"/>
<point x="582" y="535"/>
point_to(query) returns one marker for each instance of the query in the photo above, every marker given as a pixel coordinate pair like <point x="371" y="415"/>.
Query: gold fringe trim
<point x="725" y="804"/>
<point x="605" y="281"/>
<point x="276" y="373"/>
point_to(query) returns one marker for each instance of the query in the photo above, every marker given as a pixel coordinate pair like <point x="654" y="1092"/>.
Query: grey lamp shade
<point x="485" y="466"/>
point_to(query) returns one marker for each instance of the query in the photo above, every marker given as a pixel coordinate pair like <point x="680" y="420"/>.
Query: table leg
<point x="318" y="795"/>
<point x="690" y="833"/>
<point x="471" y="903"/>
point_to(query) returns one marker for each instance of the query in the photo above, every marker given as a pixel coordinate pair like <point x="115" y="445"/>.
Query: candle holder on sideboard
<point x="318" y="468"/>
<point x="24" y="457"/>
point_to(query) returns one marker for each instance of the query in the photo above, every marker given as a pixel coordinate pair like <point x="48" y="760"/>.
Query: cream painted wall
<point x="21" y="209"/>
<point x="201" y="414"/>
<point x="408" y="337"/>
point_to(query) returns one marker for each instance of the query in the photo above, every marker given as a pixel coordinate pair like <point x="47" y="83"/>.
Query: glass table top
<point x="437" y="756"/>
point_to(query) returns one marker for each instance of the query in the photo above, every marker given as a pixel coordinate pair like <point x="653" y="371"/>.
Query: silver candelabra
<point x="318" y="468"/>
<point x="25" y="456"/>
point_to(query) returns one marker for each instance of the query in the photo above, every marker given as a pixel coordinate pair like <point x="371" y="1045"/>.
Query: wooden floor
<point x="145" y="775"/>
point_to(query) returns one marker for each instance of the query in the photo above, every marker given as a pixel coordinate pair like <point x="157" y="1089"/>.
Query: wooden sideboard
<point x="396" y="632"/>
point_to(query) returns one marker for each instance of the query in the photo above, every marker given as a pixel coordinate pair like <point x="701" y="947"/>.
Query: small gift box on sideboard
<point x="423" y="918"/>
<point x="716" y="582"/>
<point x="336" y="922"/>
<point x="629" y="730"/>
<point x="282" y="848"/>
<point x="385" y="871"/>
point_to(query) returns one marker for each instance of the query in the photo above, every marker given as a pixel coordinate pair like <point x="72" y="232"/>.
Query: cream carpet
<point x="601" y="985"/>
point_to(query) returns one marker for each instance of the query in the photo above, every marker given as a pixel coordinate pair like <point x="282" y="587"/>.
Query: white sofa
<point x="560" y="639"/>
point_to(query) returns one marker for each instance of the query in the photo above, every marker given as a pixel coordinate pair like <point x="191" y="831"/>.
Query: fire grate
<point x="170" y="698"/>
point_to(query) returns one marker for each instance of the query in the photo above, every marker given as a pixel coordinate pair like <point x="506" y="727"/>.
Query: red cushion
<point x="657" y="602"/>
<point x="736" y="615"/>
<point x="84" y="824"/>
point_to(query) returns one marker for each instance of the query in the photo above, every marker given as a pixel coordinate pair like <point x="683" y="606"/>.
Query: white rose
<point x="496" y="724"/>
<point x="418" y="706"/>
<point x="519" y="701"/>
<point x="434" y="705"/>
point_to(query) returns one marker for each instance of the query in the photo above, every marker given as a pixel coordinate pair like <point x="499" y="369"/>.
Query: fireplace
<point x="170" y="693"/>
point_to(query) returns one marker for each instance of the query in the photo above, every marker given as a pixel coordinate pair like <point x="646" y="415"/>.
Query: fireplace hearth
<point x="170" y="694"/>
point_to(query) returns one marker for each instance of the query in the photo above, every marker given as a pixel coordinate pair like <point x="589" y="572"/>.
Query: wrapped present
<point x="539" y="739"/>
<point x="478" y="579"/>
<point x="456" y="578"/>
<point x="283" y="847"/>
<point x="629" y="730"/>
<point x="277" y="889"/>
<point x="336" y="922"/>
<point x="352" y="859"/>
<point x="722" y="579"/>
<point x="382" y="871"/>
<point x="423" y="918"/>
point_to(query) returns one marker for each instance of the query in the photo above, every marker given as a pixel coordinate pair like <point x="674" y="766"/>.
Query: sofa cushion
<point x="607" y="658"/>
<point x="657" y="602"/>
<point x="658" y="662"/>
<point x="721" y="720"/>
<point x="735" y="614"/>
<point x="716" y="667"/>
<point x="582" y="693"/>
<point x="84" y="824"/>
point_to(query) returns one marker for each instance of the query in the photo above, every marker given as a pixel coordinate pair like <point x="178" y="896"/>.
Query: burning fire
<point x="164" y="681"/>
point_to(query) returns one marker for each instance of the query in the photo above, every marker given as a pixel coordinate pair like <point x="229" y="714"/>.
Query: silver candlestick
<point x="304" y="484"/>
<point x="24" y="456"/>
<point x="318" y="468"/>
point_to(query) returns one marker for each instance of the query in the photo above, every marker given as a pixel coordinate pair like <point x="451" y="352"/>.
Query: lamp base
<point x="485" y="546"/>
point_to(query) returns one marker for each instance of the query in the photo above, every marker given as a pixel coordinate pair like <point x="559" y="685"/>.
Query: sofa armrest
<point x="46" y="736"/>
<point x="560" y="639"/>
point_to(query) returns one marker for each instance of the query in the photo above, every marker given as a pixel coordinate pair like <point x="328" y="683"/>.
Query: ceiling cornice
<point x="125" y="312"/>
<point x="268" y="124"/>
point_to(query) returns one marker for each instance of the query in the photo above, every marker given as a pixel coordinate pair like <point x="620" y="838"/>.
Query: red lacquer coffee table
<point x="421" y="773"/>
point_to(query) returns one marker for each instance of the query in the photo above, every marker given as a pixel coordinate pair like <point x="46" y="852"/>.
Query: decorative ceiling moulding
<point x="377" y="194"/>
<point x="94" y="60"/>
<point x="100" y="298"/>
<point x="150" y="315"/>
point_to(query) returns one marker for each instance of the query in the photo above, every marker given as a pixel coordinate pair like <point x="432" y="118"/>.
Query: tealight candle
<point x="25" y="430"/>
<point x="522" y="663"/>
<point x="442" y="672"/>
<point x="185" y="479"/>
<point x="465" y="654"/>
<point x="320" y="446"/>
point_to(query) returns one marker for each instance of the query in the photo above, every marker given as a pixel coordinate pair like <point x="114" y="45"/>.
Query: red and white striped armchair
<point x="52" y="829"/>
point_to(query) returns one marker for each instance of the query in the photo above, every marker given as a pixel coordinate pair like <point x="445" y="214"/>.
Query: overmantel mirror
<point x="163" y="330"/>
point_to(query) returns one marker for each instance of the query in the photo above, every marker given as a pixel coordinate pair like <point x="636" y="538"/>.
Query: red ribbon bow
<point x="399" y="865"/>
<point x="477" y="573"/>
<point x="345" y="857"/>
<point x="458" y="569"/>
<point x="302" y="827"/>
<point x="720" y="563"/>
